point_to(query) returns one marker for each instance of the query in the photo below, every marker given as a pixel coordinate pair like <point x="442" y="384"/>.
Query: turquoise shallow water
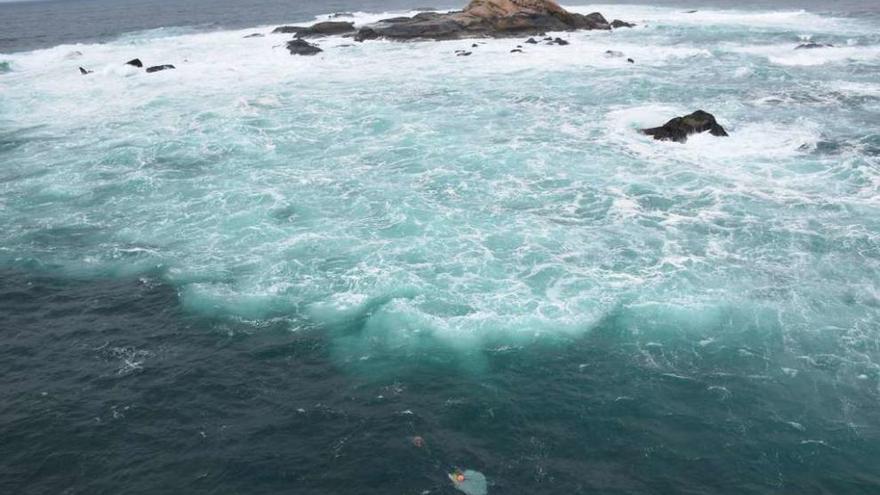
<point x="561" y="302"/>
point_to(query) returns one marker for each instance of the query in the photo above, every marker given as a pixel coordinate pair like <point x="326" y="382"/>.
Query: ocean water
<point x="260" y="273"/>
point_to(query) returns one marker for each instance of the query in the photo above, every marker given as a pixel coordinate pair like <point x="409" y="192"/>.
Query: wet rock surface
<point x="157" y="68"/>
<point x="484" y="18"/>
<point x="327" y="28"/>
<point x="300" y="46"/>
<point x="679" y="128"/>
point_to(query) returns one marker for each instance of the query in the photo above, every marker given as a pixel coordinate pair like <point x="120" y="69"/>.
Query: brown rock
<point x="485" y="18"/>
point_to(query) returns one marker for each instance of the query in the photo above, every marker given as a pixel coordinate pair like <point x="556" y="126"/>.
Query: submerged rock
<point x="679" y="128"/>
<point x="327" y="28"/>
<point x="617" y="24"/>
<point x="157" y="68"/>
<point x="613" y="54"/>
<point x="302" y="47"/>
<point x="136" y="62"/>
<point x="484" y="18"/>
<point x="810" y="45"/>
<point x="255" y="35"/>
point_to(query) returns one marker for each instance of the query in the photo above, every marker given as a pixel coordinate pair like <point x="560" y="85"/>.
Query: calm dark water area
<point x="109" y="387"/>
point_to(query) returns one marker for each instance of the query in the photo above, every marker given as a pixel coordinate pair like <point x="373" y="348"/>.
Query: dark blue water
<point x="109" y="386"/>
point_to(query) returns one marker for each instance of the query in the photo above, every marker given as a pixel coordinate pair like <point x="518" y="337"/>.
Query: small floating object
<point x="469" y="481"/>
<point x="418" y="441"/>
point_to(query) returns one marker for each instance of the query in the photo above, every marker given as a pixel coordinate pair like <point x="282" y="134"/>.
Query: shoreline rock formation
<point x="299" y="46"/>
<point x="327" y="28"/>
<point x="679" y="128"/>
<point x="484" y="19"/>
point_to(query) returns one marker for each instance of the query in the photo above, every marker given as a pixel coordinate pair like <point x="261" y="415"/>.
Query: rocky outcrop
<point x="84" y="71"/>
<point x="136" y="62"/>
<point x="157" y="68"/>
<point x="484" y="19"/>
<point x="328" y="28"/>
<point x="302" y="47"/>
<point x="617" y="24"/>
<point x="811" y="45"/>
<point x="679" y="128"/>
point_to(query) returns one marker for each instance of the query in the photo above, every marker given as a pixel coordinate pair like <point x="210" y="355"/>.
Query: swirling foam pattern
<point x="496" y="196"/>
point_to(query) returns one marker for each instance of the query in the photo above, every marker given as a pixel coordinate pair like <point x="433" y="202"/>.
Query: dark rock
<point x="394" y="20"/>
<point x="679" y="128"/>
<point x="810" y="45"/>
<point x="302" y="47"/>
<point x="462" y="53"/>
<point x="326" y="28"/>
<point x="288" y="29"/>
<point x="135" y="62"/>
<point x="474" y="45"/>
<point x="617" y="24"/>
<point x="531" y="41"/>
<point x="255" y="35"/>
<point x="157" y="68"/>
<point x="516" y="50"/>
<point x="630" y="60"/>
<point x="484" y="19"/>
<point x="85" y="71"/>
<point x="690" y="11"/>
<point x="559" y="41"/>
<point x="365" y="34"/>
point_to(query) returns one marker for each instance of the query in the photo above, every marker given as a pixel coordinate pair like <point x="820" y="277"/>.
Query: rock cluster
<point x="484" y="18"/>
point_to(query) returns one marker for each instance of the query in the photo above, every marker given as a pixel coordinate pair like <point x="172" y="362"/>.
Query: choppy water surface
<point x="262" y="273"/>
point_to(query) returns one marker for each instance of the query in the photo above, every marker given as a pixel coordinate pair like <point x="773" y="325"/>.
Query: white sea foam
<point x="404" y="191"/>
<point x="786" y="54"/>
